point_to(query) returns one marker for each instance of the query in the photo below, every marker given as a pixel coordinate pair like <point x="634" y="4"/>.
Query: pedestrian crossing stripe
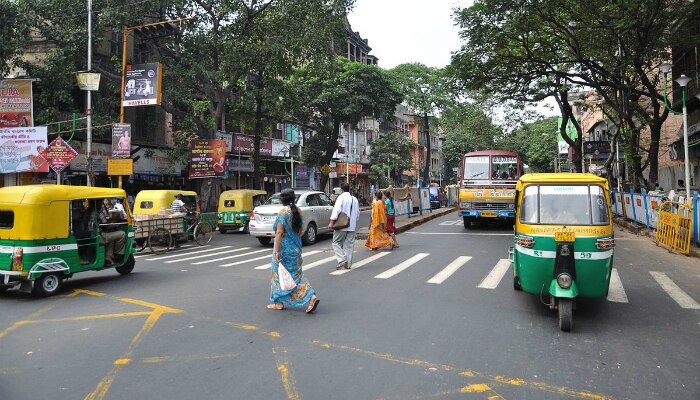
<point x="496" y="274"/>
<point x="676" y="293"/>
<point x="449" y="270"/>
<point x="447" y="223"/>
<point x="616" y="293"/>
<point x="360" y="264"/>
<point x="180" y="254"/>
<point x="230" y="257"/>
<point x="207" y="255"/>
<point x="267" y="266"/>
<point x="395" y="270"/>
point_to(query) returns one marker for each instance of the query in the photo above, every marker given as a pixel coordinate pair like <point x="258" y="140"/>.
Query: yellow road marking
<point x="156" y="360"/>
<point x="494" y="378"/>
<point x="122" y="361"/>
<point x="36" y="314"/>
<point x="476" y="388"/>
<point x="89" y="317"/>
<point x="283" y="368"/>
<point x="84" y="291"/>
<point x="245" y="327"/>
<point x="8" y="371"/>
<point x="154" y="306"/>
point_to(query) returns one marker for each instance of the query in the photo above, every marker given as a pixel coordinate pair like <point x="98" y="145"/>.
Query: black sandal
<point x="314" y="304"/>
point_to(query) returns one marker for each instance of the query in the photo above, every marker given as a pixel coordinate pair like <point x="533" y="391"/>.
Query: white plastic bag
<point x="286" y="280"/>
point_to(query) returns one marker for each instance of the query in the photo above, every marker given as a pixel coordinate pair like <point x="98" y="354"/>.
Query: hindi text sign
<point x="58" y="154"/>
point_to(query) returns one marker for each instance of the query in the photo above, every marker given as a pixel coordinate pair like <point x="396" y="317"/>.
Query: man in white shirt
<point x="344" y="239"/>
<point x="177" y="205"/>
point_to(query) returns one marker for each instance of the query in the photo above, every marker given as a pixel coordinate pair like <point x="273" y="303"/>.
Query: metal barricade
<point x="675" y="226"/>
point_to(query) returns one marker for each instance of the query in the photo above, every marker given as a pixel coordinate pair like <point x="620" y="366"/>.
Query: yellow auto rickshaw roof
<point x="560" y="177"/>
<point x="163" y="193"/>
<point x="45" y="194"/>
<point x="239" y="193"/>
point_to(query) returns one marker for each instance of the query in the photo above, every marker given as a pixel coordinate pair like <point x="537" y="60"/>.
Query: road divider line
<point x="616" y="292"/>
<point x="228" y="257"/>
<point x="187" y="254"/>
<point x="496" y="275"/>
<point x="317" y="263"/>
<point x="360" y="264"/>
<point x="206" y="255"/>
<point x="449" y="270"/>
<point x="676" y="293"/>
<point x="395" y="270"/>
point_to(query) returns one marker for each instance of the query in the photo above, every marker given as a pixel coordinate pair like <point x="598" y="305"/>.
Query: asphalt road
<point x="192" y="323"/>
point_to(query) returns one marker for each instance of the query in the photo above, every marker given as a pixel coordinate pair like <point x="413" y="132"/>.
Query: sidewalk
<point x="404" y="223"/>
<point x="641" y="230"/>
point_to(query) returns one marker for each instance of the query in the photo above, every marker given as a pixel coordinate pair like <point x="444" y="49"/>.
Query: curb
<point x="412" y="222"/>
<point x="640" y="230"/>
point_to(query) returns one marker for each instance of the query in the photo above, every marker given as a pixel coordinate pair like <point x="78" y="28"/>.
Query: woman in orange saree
<point x="378" y="238"/>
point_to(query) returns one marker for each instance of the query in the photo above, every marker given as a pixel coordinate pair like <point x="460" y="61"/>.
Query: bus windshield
<point x="504" y="167"/>
<point x="476" y="167"/>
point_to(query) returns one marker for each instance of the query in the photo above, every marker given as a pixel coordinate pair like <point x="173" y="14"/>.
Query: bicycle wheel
<point x="202" y="233"/>
<point x="159" y="240"/>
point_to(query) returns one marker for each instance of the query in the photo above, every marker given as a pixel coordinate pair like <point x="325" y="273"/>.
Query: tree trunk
<point x="426" y="171"/>
<point x="331" y="147"/>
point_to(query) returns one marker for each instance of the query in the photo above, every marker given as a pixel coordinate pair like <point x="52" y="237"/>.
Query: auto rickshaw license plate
<point x="488" y="214"/>
<point x="564" y="236"/>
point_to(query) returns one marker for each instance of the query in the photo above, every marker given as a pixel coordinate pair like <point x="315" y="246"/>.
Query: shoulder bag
<point x="343" y="220"/>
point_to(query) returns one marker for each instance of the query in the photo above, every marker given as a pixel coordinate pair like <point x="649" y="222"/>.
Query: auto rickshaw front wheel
<point x="128" y="267"/>
<point x="565" y="314"/>
<point x="47" y="284"/>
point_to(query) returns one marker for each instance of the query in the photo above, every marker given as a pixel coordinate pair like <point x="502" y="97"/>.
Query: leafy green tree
<point x="390" y="156"/>
<point x="535" y="142"/>
<point x="327" y="95"/>
<point x="466" y="128"/>
<point x="13" y="32"/>
<point x="427" y="91"/>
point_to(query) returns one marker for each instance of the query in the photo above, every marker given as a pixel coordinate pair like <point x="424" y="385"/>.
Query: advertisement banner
<point x="344" y="168"/>
<point x="16" y="107"/>
<point x="142" y="85"/>
<point x="58" y="154"/>
<point x="207" y="158"/>
<point x="246" y="145"/>
<point x="20" y="148"/>
<point x="120" y="166"/>
<point x="121" y="140"/>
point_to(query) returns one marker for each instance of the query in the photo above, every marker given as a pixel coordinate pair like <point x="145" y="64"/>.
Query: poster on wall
<point x="58" y="154"/>
<point x="20" y="148"/>
<point x="207" y="158"/>
<point x="16" y="107"/>
<point x="142" y="84"/>
<point x="121" y="140"/>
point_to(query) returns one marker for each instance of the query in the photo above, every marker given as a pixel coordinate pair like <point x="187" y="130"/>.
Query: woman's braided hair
<point x="287" y="199"/>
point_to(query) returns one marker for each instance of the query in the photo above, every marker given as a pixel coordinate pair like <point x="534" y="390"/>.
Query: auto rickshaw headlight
<point x="564" y="281"/>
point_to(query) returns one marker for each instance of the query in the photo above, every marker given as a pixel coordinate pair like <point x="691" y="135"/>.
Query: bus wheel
<point x="47" y="284"/>
<point x="467" y="223"/>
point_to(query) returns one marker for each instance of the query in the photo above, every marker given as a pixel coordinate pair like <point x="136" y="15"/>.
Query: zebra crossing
<point x="218" y="256"/>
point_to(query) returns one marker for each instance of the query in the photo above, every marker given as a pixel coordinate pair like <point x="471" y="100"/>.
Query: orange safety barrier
<point x="675" y="226"/>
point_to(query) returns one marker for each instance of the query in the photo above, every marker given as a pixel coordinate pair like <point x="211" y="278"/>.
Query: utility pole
<point x="89" y="98"/>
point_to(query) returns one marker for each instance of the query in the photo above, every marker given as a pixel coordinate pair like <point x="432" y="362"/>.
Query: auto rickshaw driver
<point x="113" y="238"/>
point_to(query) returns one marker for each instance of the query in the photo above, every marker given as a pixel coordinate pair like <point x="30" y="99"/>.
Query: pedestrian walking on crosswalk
<point x="378" y="238"/>
<point x="347" y="208"/>
<point x="390" y="217"/>
<point x="289" y="286"/>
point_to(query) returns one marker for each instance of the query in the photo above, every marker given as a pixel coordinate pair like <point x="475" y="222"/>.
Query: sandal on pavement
<point x="275" y="306"/>
<point x="312" y="307"/>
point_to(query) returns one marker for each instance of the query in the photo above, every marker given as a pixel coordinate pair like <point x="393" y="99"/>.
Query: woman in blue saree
<point x="287" y="254"/>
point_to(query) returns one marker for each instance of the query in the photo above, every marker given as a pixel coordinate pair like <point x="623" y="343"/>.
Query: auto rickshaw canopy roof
<point x="561" y="178"/>
<point x="46" y="194"/>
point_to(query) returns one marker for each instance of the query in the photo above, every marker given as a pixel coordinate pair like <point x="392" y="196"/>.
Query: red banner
<point x="343" y="168"/>
<point x="207" y="158"/>
<point x="58" y="154"/>
<point x="246" y="145"/>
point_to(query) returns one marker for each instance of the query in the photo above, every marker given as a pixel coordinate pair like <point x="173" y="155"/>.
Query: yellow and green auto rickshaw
<point x="235" y="207"/>
<point x="152" y="201"/>
<point x="564" y="239"/>
<point x="50" y="232"/>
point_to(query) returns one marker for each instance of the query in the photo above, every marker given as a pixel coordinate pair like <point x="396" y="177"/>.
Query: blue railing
<point x="642" y="208"/>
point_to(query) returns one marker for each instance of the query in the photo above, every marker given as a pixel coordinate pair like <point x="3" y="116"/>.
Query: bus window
<point x="476" y="167"/>
<point x="504" y="167"/>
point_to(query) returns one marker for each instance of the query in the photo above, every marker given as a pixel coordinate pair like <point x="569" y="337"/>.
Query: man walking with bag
<point x="346" y="211"/>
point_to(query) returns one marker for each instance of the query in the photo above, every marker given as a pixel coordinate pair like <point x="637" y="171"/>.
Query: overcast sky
<point x="401" y="31"/>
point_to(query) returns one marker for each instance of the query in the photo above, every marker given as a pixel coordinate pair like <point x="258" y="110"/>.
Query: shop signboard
<point x="234" y="164"/>
<point x="16" y="107"/>
<point x="596" y="147"/>
<point x="20" y="148"/>
<point x="149" y="161"/>
<point x="121" y="140"/>
<point x="120" y="166"/>
<point x="58" y="154"/>
<point x="228" y="138"/>
<point x="246" y="145"/>
<point x="344" y="168"/>
<point x="207" y="158"/>
<point x="142" y="84"/>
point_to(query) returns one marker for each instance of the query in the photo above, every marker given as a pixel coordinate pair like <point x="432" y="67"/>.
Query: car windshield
<point x="564" y="205"/>
<point x="275" y="199"/>
<point x="476" y="167"/>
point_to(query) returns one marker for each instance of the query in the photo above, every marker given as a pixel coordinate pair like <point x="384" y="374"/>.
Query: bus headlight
<point x="511" y="206"/>
<point x="466" y="204"/>
<point x="564" y="281"/>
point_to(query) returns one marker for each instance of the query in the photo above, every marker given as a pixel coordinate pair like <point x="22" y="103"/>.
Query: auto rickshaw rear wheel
<point x="47" y="284"/>
<point x="565" y="314"/>
<point x="516" y="282"/>
<point x="128" y="267"/>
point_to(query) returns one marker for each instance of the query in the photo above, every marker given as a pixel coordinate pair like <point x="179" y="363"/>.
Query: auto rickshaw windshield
<point x="564" y="205"/>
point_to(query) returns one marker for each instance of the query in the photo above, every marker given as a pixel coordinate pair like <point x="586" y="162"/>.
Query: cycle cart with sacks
<point x="163" y="231"/>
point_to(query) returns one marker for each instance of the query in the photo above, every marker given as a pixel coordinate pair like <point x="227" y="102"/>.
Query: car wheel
<point x="246" y="228"/>
<point x="264" y="240"/>
<point x="310" y="234"/>
<point x="47" y="284"/>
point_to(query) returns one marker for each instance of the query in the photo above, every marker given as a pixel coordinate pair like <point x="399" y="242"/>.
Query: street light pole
<point x="683" y="82"/>
<point x="89" y="99"/>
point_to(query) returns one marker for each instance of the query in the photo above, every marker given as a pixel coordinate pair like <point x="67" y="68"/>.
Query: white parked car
<point x="316" y="208"/>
